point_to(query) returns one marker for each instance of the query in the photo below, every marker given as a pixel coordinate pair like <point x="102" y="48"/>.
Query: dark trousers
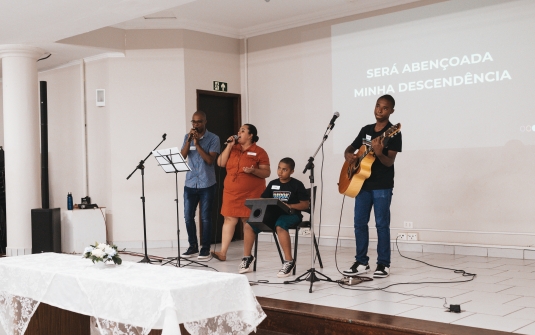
<point x="192" y="198"/>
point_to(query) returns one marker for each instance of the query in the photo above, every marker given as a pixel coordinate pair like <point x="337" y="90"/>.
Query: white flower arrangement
<point x="101" y="252"/>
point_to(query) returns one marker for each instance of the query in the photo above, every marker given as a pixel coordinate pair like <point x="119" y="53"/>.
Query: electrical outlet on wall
<point x="407" y="224"/>
<point x="412" y="236"/>
<point x="402" y="236"/>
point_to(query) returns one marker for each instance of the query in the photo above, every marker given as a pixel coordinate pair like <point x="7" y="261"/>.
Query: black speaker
<point x="265" y="212"/>
<point x="46" y="230"/>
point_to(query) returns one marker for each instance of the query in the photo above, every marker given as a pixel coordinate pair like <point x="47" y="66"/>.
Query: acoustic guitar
<point x="353" y="175"/>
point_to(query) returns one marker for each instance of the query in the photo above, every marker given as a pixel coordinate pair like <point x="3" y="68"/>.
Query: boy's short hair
<point x="288" y="161"/>
<point x="388" y="98"/>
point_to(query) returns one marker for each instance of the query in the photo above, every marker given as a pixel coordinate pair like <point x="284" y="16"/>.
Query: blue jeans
<point x="380" y="200"/>
<point x="193" y="197"/>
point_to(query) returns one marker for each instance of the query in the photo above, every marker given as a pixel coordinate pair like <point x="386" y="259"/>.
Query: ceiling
<point x="42" y="23"/>
<point x="246" y="18"/>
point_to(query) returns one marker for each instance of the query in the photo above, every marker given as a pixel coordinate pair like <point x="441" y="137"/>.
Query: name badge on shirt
<point x="275" y="187"/>
<point x="251" y="153"/>
<point x="193" y="147"/>
<point x="368" y="137"/>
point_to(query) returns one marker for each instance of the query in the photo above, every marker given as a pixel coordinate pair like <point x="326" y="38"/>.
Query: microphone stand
<point x="141" y="167"/>
<point x="311" y="274"/>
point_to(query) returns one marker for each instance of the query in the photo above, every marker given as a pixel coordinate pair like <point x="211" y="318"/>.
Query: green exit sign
<point x="220" y="86"/>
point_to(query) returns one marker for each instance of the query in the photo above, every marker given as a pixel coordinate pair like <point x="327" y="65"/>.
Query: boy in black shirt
<point x="291" y="192"/>
<point x="376" y="190"/>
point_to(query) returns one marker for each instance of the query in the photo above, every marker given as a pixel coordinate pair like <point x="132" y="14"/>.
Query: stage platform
<point x="501" y="297"/>
<point x="283" y="317"/>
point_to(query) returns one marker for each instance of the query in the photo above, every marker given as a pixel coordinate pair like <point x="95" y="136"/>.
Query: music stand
<point x="172" y="161"/>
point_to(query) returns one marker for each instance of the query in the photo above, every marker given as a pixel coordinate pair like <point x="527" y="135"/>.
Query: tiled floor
<point x="501" y="297"/>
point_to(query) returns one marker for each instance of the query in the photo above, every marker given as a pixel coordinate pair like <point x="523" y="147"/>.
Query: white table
<point x="81" y="228"/>
<point x="132" y="294"/>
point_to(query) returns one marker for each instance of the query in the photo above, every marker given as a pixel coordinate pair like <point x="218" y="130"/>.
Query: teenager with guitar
<point x="376" y="190"/>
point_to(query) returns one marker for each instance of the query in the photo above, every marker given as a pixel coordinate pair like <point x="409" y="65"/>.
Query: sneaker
<point x="381" y="271"/>
<point x="204" y="255"/>
<point x="357" y="269"/>
<point x="245" y="265"/>
<point x="192" y="251"/>
<point x="286" y="269"/>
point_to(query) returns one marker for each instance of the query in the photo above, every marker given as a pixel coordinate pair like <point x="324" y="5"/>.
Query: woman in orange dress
<point x="247" y="167"/>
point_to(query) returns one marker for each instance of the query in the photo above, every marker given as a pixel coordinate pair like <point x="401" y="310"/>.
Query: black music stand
<point x="141" y="166"/>
<point x="172" y="161"/>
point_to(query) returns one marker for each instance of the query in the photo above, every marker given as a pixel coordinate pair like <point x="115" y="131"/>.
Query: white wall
<point x="290" y="103"/>
<point x="478" y="196"/>
<point x="146" y="101"/>
<point x="146" y="96"/>
<point x="209" y="58"/>
<point x="471" y="196"/>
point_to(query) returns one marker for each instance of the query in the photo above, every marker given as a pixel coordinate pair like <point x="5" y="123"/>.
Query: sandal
<point x="219" y="256"/>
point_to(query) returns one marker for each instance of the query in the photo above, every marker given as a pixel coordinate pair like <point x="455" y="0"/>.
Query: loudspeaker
<point x="265" y="212"/>
<point x="46" y="230"/>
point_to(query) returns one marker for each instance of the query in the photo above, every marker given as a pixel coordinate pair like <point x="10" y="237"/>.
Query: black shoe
<point x="357" y="269"/>
<point x="192" y="251"/>
<point x="204" y="255"/>
<point x="381" y="271"/>
<point x="286" y="269"/>
<point x="245" y="265"/>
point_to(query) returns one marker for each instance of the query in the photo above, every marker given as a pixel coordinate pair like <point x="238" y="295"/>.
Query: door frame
<point x="236" y="101"/>
<point x="236" y="104"/>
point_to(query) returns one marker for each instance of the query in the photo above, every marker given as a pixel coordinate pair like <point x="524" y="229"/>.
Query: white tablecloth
<point x="132" y="294"/>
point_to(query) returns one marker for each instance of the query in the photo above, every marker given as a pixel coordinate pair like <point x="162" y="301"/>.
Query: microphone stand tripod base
<point x="312" y="277"/>
<point x="148" y="260"/>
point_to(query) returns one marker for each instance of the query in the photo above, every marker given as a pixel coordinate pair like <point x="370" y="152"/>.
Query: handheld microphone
<point x="191" y="135"/>
<point x="235" y="137"/>
<point x="335" y="116"/>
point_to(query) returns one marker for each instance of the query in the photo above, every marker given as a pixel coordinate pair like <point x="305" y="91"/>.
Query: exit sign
<point x="220" y="86"/>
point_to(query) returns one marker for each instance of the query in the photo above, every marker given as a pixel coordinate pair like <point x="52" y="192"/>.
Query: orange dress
<point x="239" y="185"/>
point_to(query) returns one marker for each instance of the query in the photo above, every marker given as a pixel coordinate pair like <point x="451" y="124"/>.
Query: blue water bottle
<point x="69" y="201"/>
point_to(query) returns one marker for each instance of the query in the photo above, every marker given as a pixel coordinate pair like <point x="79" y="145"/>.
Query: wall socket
<point x="412" y="236"/>
<point x="402" y="236"/>
<point x="407" y="224"/>
<point x="304" y="231"/>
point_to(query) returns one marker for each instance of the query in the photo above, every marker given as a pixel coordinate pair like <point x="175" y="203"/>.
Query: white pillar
<point x="21" y="143"/>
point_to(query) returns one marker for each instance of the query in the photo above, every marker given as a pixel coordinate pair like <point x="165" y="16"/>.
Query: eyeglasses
<point x="197" y="121"/>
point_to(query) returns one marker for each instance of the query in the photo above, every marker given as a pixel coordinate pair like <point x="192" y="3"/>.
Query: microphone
<point x="235" y="137"/>
<point x="164" y="136"/>
<point x="335" y="116"/>
<point x="191" y="136"/>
